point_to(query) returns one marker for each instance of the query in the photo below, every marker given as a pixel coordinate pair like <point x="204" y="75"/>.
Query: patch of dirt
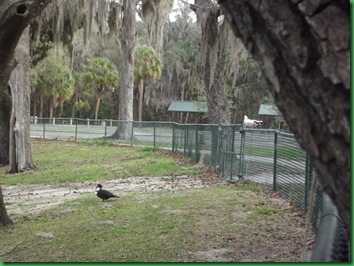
<point x="213" y="255"/>
<point x="180" y="158"/>
<point x="32" y="199"/>
<point x="264" y="241"/>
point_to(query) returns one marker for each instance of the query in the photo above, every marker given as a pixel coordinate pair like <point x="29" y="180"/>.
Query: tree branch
<point x="12" y="23"/>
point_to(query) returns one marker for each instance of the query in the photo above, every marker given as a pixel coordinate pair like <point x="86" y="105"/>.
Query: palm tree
<point x="52" y="78"/>
<point x="80" y="97"/>
<point x="62" y="88"/>
<point x="148" y="66"/>
<point x="65" y="93"/>
<point x="100" y="74"/>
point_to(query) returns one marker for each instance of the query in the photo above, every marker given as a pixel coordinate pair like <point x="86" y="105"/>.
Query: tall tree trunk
<point x="20" y="147"/>
<point x="213" y="67"/>
<point x="41" y="106"/>
<point x="5" y="114"/>
<point x="98" y="101"/>
<point x="61" y="108"/>
<point x="141" y="98"/>
<point x="51" y="107"/>
<point x="127" y="78"/>
<point x="73" y="107"/>
<point x="13" y="21"/>
<point x="304" y="50"/>
<point x="218" y="109"/>
<point x="213" y="64"/>
<point x="7" y="64"/>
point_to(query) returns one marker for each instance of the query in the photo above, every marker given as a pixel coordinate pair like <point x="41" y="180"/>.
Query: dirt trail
<point x="32" y="199"/>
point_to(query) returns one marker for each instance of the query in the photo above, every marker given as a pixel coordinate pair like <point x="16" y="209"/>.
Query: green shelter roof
<point x="188" y="107"/>
<point x="268" y="109"/>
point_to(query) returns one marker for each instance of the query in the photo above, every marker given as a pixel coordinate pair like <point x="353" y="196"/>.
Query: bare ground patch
<point x="33" y="199"/>
<point x="271" y="239"/>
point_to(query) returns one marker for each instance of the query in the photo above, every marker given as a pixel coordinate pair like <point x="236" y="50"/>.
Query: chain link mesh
<point x="268" y="157"/>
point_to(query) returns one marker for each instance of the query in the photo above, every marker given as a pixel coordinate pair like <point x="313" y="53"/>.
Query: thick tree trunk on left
<point x="13" y="21"/>
<point x="4" y="218"/>
<point x="5" y="113"/>
<point x="20" y="147"/>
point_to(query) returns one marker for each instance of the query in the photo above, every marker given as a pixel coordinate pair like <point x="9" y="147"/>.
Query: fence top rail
<point x="260" y="130"/>
<point x="285" y="134"/>
<point x="207" y="125"/>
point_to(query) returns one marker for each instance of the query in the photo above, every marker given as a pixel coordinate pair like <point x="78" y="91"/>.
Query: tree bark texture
<point x="98" y="101"/>
<point x="126" y="95"/>
<point x="13" y="21"/>
<point x="20" y="147"/>
<point x="5" y="114"/>
<point x="213" y="64"/>
<point x="141" y="98"/>
<point x="4" y="218"/>
<point x="304" y="50"/>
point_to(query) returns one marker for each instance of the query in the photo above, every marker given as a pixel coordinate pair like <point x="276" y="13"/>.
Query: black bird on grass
<point x="104" y="194"/>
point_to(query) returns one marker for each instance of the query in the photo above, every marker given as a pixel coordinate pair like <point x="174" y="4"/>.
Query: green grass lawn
<point x="218" y="222"/>
<point x="62" y="161"/>
<point x="159" y="226"/>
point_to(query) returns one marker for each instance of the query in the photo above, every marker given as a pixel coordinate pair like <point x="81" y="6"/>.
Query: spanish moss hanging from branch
<point x="154" y="13"/>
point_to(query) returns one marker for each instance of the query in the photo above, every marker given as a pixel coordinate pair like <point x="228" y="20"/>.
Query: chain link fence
<point x="271" y="158"/>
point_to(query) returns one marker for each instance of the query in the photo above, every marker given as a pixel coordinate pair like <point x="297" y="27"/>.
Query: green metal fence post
<point x="222" y="149"/>
<point x="232" y="151"/>
<point x="196" y="150"/>
<point x="275" y="160"/>
<point x="105" y="129"/>
<point x="242" y="153"/>
<point x="43" y="129"/>
<point x="231" y="166"/>
<point x="75" y="129"/>
<point x="185" y="139"/>
<point x="214" y="145"/>
<point x="173" y="137"/>
<point x="154" y="135"/>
